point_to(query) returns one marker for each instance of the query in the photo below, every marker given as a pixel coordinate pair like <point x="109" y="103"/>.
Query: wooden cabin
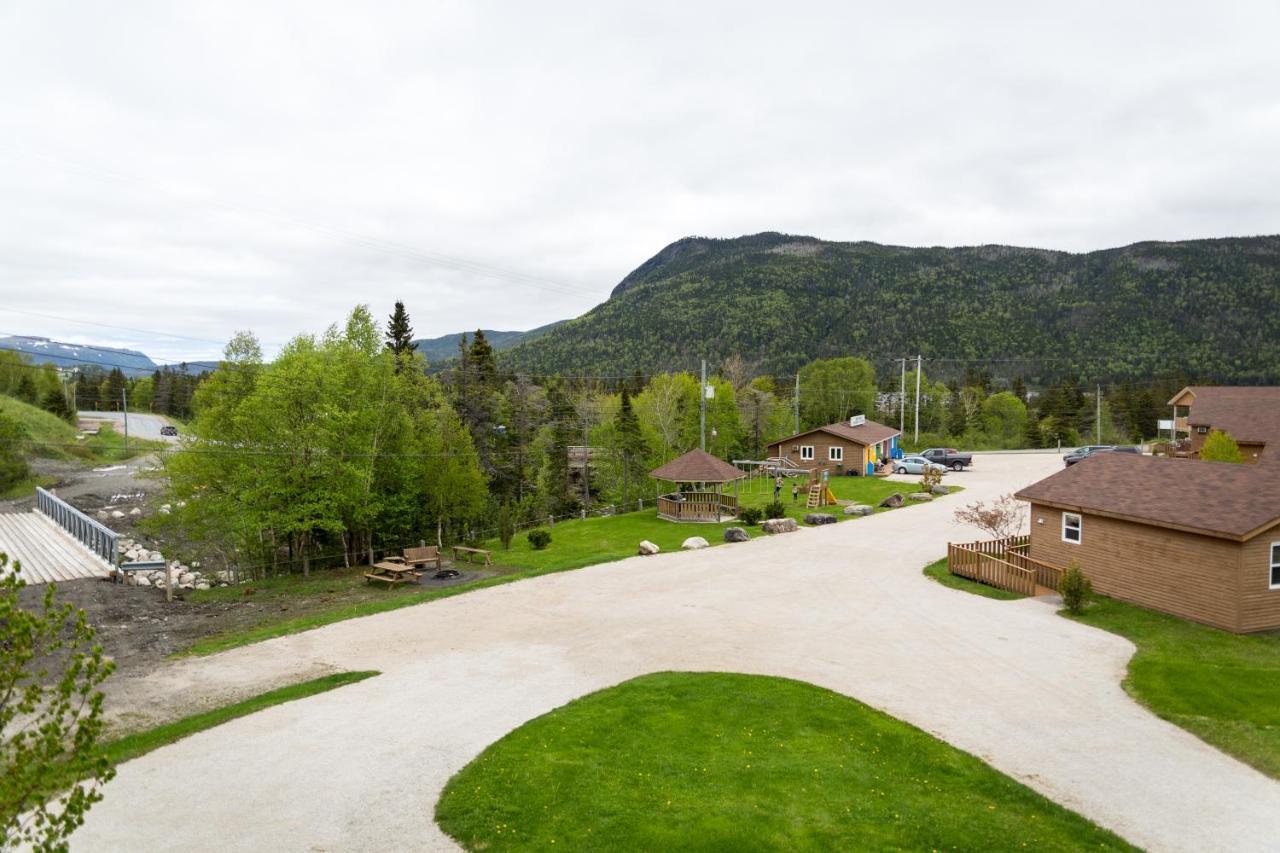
<point x="854" y="447"/>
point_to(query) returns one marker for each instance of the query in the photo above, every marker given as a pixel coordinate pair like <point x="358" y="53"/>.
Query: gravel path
<point x="843" y="606"/>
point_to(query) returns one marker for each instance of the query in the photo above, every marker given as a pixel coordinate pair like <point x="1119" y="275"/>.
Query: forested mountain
<point x="1209" y="308"/>
<point x="45" y="351"/>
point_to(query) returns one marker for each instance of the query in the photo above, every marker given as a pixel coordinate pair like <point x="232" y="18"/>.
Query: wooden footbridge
<point x="57" y="542"/>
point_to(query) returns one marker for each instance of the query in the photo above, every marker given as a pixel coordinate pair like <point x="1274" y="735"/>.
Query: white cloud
<point x="202" y="168"/>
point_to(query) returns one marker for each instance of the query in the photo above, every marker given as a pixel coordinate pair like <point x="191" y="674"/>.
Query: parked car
<point x="168" y="429"/>
<point x="1090" y="449"/>
<point x="915" y="465"/>
<point x="948" y="457"/>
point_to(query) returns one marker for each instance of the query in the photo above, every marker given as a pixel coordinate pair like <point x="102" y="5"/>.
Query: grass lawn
<point x="25" y="488"/>
<point x="54" y="438"/>
<point x="938" y="571"/>
<point x="702" y="761"/>
<point x="574" y="544"/>
<point x="1222" y="687"/>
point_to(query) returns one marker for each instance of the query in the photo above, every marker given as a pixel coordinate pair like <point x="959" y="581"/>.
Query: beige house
<point x="855" y="447"/>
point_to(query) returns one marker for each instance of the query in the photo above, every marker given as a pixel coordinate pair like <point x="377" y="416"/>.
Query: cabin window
<point x="806" y="451"/>
<point x="1071" y="528"/>
<point x="1275" y="565"/>
<point x="835" y="454"/>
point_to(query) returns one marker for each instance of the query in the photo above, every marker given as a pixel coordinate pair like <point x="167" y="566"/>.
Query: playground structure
<point x="760" y="475"/>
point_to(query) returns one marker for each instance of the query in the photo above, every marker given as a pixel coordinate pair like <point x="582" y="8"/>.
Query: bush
<point x="506" y="526"/>
<point x="1221" y="447"/>
<point x="1075" y="588"/>
<point x="775" y="509"/>
<point x="929" y="478"/>
<point x="539" y="538"/>
<point x="750" y="515"/>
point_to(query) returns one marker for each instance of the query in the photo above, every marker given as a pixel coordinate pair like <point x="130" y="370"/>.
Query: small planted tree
<point x="930" y="477"/>
<point x="1220" y="447"/>
<point x="775" y="509"/>
<point x="1075" y="588"/>
<point x="506" y="526"/>
<point x="539" y="538"/>
<point x="999" y="519"/>
<point x="51" y="770"/>
<point x="750" y="515"/>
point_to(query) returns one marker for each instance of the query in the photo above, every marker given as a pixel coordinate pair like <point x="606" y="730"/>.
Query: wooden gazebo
<point x="700" y="496"/>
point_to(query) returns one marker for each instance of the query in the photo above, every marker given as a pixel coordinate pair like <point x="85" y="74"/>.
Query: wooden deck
<point x="1005" y="564"/>
<point x="697" y="506"/>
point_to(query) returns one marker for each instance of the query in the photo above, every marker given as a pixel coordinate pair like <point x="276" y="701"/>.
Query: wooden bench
<point x="423" y="556"/>
<point x="472" y="553"/>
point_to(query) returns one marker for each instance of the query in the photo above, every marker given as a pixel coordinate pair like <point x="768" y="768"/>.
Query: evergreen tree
<point x="26" y="391"/>
<point x="1031" y="434"/>
<point x="1019" y="388"/>
<point x="957" y="415"/>
<point x="557" y="495"/>
<point x="400" y="336"/>
<point x="630" y="445"/>
<point x="113" y="393"/>
<point x="56" y="404"/>
<point x="481" y="361"/>
<point x="1221" y="447"/>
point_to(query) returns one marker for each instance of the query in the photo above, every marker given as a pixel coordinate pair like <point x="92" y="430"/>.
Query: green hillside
<point x="49" y="436"/>
<point x="1210" y="308"/>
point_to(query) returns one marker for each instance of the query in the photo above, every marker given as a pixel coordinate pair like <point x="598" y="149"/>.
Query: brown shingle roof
<point x="868" y="432"/>
<point x="1250" y="414"/>
<point x="1214" y="498"/>
<point x="697" y="466"/>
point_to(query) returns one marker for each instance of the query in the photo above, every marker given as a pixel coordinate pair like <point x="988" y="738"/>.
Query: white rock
<point x="165" y="509"/>
<point x="135" y="512"/>
<point x="195" y="564"/>
<point x="693" y="543"/>
<point x="142" y="580"/>
<point x="647" y="548"/>
<point x="155" y="555"/>
<point x="202" y="584"/>
<point x="185" y="579"/>
<point x="102" y="515"/>
<point x="115" y="513"/>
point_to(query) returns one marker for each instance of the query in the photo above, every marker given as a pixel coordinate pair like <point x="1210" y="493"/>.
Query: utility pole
<point x="702" y="399"/>
<point x="1097" y="423"/>
<point x="919" y="370"/>
<point x="124" y="397"/>
<point x="796" y="401"/>
<point x="902" y="399"/>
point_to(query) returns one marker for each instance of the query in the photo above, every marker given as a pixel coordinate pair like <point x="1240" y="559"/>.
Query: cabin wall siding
<point x="1185" y="574"/>
<point x="854" y="453"/>
<point x="1259" y="604"/>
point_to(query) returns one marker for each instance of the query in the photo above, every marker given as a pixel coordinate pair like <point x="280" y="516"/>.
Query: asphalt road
<point x="140" y="426"/>
<point x="843" y="606"/>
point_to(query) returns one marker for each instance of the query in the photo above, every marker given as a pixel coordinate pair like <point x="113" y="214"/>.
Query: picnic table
<point x="392" y="573"/>
<point x="472" y="553"/>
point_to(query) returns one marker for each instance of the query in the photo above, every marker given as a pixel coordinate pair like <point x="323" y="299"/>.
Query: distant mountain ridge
<point x="445" y="347"/>
<point x="45" y="351"/>
<point x="1209" y="308"/>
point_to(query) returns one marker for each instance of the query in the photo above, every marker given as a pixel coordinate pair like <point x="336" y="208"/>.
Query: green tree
<point x="833" y="389"/>
<point x="51" y="771"/>
<point x="628" y="447"/>
<point x="55" y="403"/>
<point x="1219" y="446"/>
<point x="400" y="336"/>
<point x="1004" y="418"/>
<point x="26" y="390"/>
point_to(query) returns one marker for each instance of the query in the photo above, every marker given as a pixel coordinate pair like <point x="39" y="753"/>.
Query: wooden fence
<point x="697" y="506"/>
<point x="1002" y="563"/>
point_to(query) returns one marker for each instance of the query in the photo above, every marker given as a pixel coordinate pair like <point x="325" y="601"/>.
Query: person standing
<point x="777" y="486"/>
<point x="795" y="492"/>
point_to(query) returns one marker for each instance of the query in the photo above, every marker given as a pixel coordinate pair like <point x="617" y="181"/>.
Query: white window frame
<point x="806" y="453"/>
<point x="835" y="453"/>
<point x="1274" y="565"/>
<point x="1079" y="528"/>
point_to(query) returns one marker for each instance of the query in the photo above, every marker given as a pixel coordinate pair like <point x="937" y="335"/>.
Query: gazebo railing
<point x="697" y="506"/>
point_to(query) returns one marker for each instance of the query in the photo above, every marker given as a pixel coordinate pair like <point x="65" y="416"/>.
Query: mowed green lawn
<point x="1223" y="687"/>
<point x="598" y="539"/>
<point x="702" y="761"/>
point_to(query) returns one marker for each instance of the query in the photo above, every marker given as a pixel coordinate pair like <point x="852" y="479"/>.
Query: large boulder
<point x="693" y="543"/>
<point x="135" y="512"/>
<point x="117" y="514"/>
<point x="202" y="585"/>
<point x="779" y="525"/>
<point x="940" y="490"/>
<point x="859" y="509"/>
<point x="819" y="518"/>
<point x="735" y="534"/>
<point x="647" y="548"/>
<point x="102" y="515"/>
<point x="894" y="500"/>
<point x="920" y="496"/>
<point x="186" y="579"/>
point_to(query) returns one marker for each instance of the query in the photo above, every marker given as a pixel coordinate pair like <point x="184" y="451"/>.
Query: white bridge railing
<point x="98" y="538"/>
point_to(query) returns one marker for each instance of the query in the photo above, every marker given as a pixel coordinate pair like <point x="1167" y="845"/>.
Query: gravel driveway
<point x="843" y="606"/>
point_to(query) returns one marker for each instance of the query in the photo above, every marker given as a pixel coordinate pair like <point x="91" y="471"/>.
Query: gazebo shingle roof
<point x="697" y="466"/>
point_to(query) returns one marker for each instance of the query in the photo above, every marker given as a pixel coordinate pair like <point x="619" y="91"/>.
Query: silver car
<point x="915" y="465"/>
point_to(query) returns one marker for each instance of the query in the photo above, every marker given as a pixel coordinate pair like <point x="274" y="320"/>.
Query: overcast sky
<point x="197" y="168"/>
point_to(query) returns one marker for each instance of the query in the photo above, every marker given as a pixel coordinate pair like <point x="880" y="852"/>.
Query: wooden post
<point x="168" y="580"/>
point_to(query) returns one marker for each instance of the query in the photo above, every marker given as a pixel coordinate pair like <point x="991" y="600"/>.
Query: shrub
<point x="506" y="526"/>
<point x="1075" y="588"/>
<point x="929" y="478"/>
<point x="750" y="515"/>
<point x="775" y="509"/>
<point x="1221" y="447"/>
<point x="539" y="538"/>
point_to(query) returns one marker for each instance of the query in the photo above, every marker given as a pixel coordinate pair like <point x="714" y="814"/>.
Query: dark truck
<point x="950" y="457"/>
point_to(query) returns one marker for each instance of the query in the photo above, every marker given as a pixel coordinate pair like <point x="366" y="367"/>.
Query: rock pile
<point x="184" y="576"/>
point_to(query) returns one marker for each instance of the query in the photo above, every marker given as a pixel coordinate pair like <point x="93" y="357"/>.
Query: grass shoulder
<point x="1222" y="687"/>
<point x="938" y="571"/>
<point x="724" y="761"/>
